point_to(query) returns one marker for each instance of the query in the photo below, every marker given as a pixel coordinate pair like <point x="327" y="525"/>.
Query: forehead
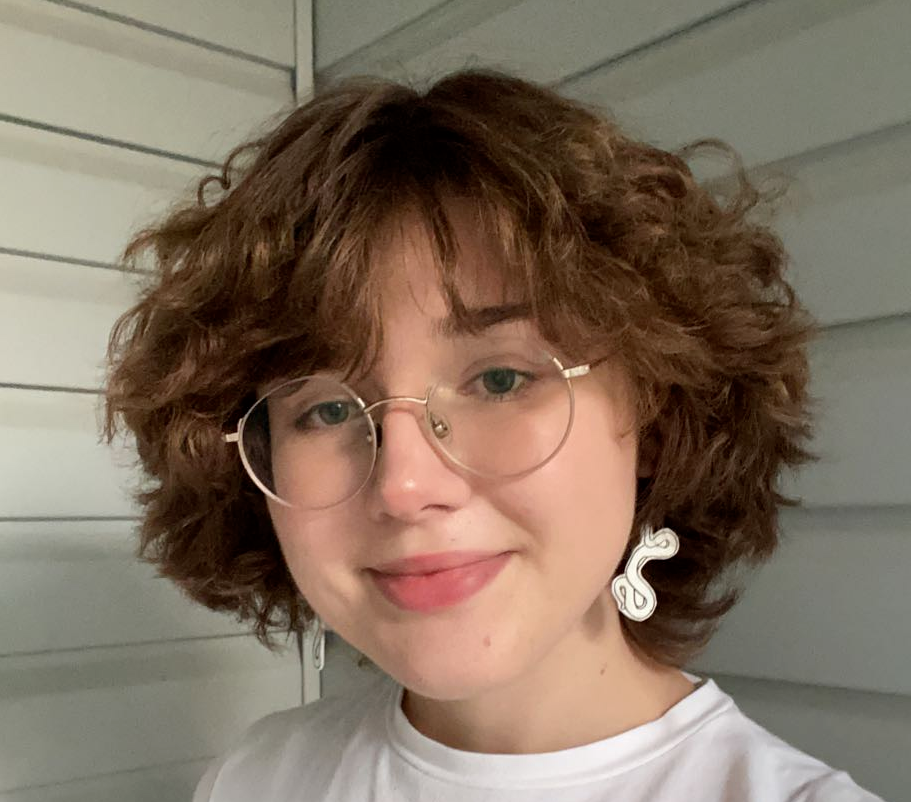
<point x="411" y="283"/>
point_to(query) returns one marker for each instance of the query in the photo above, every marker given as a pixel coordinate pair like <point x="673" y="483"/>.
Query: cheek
<point x="598" y="460"/>
<point x="311" y="545"/>
<point x="583" y="500"/>
<point x="599" y="491"/>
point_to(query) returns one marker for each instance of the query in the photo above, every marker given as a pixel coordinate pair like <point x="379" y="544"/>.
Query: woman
<point x="447" y="371"/>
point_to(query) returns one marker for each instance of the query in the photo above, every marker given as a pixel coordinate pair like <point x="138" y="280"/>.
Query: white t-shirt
<point x="363" y="749"/>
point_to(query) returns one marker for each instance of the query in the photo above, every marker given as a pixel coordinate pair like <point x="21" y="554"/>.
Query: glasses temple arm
<point x="579" y="370"/>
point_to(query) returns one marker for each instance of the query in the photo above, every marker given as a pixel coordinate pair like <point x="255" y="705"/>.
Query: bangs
<point x="420" y="172"/>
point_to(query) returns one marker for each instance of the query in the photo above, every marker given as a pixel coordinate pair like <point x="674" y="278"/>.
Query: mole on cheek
<point x="487" y="641"/>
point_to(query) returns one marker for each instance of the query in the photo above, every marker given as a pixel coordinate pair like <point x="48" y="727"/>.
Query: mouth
<point x="431" y="563"/>
<point x="434" y="581"/>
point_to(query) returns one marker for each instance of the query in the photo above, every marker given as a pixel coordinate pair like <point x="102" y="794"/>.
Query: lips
<point x="430" y="563"/>
<point x="428" y="582"/>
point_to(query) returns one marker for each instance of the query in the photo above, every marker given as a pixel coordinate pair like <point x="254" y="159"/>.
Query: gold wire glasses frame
<point x="437" y="426"/>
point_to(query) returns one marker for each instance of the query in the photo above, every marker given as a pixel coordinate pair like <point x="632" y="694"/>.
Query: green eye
<point x="332" y="412"/>
<point x="499" y="381"/>
<point x="324" y="416"/>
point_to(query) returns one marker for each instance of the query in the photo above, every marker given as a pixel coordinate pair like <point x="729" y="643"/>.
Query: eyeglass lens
<point x="310" y="444"/>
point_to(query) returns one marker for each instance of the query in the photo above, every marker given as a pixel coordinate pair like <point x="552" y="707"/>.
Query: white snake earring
<point x="635" y="597"/>
<point x="319" y="645"/>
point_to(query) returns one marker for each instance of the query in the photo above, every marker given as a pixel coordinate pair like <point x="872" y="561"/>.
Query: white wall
<point x="112" y="685"/>
<point x="820" y="649"/>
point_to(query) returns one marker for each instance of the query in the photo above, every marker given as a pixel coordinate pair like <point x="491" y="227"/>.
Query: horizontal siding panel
<point x="343" y="26"/>
<point x="823" y="611"/>
<point x="264" y="29"/>
<point x="80" y="199"/>
<point x="594" y="32"/>
<point x="77" y="584"/>
<point x="846" y="227"/>
<point x="52" y="462"/>
<point x="55" y="320"/>
<point x="73" y="715"/>
<point x="775" y="79"/>
<point x="173" y="783"/>
<point x="865" y="734"/>
<point x="862" y="378"/>
<point x="117" y="81"/>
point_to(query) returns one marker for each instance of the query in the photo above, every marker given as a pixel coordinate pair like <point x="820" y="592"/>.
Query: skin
<point x="536" y="661"/>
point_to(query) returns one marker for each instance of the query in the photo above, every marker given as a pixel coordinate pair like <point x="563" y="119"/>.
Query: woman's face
<point x="560" y="530"/>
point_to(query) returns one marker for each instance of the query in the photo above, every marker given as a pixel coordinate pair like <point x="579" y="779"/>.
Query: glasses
<point x="500" y="410"/>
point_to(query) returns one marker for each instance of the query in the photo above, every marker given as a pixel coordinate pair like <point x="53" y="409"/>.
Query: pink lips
<point x="433" y="581"/>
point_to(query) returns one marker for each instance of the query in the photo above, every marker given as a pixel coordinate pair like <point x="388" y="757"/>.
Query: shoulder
<point x="752" y="763"/>
<point x="294" y="746"/>
<point x="835" y="786"/>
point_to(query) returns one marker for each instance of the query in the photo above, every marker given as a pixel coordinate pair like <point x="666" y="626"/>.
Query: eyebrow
<point x="480" y="318"/>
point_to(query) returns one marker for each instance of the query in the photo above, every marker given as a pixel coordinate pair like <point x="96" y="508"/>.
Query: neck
<point x="587" y="688"/>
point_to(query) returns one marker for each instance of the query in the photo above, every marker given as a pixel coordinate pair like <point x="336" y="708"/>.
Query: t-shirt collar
<point x="580" y="764"/>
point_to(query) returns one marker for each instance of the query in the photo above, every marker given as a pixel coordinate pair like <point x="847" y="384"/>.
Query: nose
<point x="412" y="479"/>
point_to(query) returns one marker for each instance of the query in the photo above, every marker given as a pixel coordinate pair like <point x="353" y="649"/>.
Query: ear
<point x="648" y="454"/>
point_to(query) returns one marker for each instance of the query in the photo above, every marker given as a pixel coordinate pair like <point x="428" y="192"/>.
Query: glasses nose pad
<point x="378" y="427"/>
<point x="439" y="426"/>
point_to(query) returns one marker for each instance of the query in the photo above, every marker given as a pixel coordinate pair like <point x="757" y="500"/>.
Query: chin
<point x="442" y="675"/>
<point x="448" y="688"/>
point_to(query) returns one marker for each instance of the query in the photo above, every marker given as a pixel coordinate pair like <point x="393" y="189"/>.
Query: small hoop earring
<point x="319" y="645"/>
<point x="635" y="598"/>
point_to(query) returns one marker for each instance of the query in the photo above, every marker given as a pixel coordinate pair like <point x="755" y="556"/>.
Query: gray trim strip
<point x="127" y="645"/>
<point x="172" y="34"/>
<point x="50" y="388"/>
<point x="34" y="519"/>
<point x="87" y="778"/>
<point x="696" y="24"/>
<point x="782" y="685"/>
<point x="68" y="260"/>
<point x="295" y="68"/>
<point x="831" y="150"/>
<point x="841" y="325"/>
<point x="105" y="140"/>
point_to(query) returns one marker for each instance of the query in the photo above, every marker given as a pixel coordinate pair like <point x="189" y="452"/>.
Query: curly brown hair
<point x="613" y="244"/>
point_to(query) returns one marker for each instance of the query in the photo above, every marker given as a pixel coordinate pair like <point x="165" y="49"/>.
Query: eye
<point x="499" y="380"/>
<point x="324" y="415"/>
<point x="501" y="383"/>
<point x="333" y="412"/>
